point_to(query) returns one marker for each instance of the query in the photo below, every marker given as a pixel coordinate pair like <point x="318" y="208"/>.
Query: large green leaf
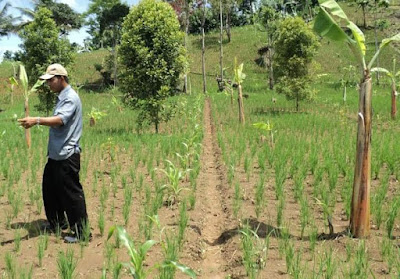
<point x="325" y="26"/>
<point x="35" y="87"/>
<point x="329" y="22"/>
<point x="385" y="42"/>
<point x="381" y="70"/>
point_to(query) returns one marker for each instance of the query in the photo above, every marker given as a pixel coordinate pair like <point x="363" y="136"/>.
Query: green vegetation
<point x="286" y="176"/>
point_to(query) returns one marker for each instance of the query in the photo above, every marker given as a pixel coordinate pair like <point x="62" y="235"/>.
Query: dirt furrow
<point x="210" y="217"/>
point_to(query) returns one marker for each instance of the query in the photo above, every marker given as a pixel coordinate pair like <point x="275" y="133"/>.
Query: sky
<point x="12" y="41"/>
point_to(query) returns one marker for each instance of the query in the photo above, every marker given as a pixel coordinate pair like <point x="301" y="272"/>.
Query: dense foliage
<point x="295" y="47"/>
<point x="152" y="57"/>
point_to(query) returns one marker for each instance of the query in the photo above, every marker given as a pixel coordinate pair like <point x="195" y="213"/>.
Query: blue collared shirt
<point x="64" y="139"/>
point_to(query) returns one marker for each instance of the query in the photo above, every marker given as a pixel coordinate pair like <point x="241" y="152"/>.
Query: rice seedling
<point x="360" y="267"/>
<point x="183" y="221"/>
<point x="41" y="247"/>
<point x="260" y="195"/>
<point x="11" y="266"/>
<point x="387" y="252"/>
<point x="101" y="221"/>
<point x="26" y="272"/>
<point x="392" y="214"/>
<point x="249" y="253"/>
<point x="66" y="264"/>
<point x="378" y="200"/>
<point x="17" y="239"/>
<point x="279" y="210"/>
<point x="304" y="214"/>
<point x="127" y="204"/>
<point x="237" y="202"/>
<point x="329" y="264"/>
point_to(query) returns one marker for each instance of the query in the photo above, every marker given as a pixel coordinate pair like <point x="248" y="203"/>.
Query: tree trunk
<point x="27" y="131"/>
<point x="240" y="102"/>
<point x="360" y="205"/>
<point x="220" y="41"/>
<point x="364" y="17"/>
<point x="394" y="110"/>
<point x="344" y="94"/>
<point x="203" y="48"/>
<point x="270" y="65"/>
<point x="228" y="26"/>
<point x="185" y="77"/>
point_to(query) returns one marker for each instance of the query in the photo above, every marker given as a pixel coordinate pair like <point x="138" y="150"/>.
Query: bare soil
<point x="212" y="245"/>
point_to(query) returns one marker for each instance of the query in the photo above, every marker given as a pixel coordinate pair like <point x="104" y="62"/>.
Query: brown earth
<point x="212" y="245"/>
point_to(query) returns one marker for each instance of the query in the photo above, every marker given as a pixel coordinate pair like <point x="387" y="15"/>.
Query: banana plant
<point x="392" y="75"/>
<point x="239" y="77"/>
<point x="27" y="92"/>
<point x="13" y="83"/>
<point x="328" y="23"/>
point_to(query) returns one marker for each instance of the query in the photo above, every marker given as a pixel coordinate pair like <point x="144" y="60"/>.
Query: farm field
<point x="225" y="199"/>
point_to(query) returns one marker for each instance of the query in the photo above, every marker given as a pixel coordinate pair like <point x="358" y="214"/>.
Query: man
<point x="62" y="191"/>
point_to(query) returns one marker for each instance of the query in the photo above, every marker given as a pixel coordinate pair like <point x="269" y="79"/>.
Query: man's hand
<point x="28" y="122"/>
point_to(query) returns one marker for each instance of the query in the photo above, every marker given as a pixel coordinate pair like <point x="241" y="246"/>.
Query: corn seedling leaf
<point x="146" y="246"/>
<point x="183" y="268"/>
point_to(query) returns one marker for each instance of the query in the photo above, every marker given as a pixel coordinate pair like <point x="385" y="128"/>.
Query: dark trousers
<point x="62" y="192"/>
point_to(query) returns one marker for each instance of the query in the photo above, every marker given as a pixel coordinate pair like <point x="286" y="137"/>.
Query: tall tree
<point x="152" y="57"/>
<point x="111" y="20"/>
<point x="94" y="14"/>
<point x="41" y="47"/>
<point x="6" y="20"/>
<point x="270" y="19"/>
<point x="64" y="16"/>
<point x="295" y="47"/>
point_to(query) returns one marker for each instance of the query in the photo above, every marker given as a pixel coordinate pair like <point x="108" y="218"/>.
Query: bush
<point x="152" y="57"/>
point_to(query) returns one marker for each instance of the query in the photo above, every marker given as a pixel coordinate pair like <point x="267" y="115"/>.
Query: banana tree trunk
<point x="360" y="206"/>
<point x="394" y="110"/>
<point x="27" y="131"/>
<point x="240" y="102"/>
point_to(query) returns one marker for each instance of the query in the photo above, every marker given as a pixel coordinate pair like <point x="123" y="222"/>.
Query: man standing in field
<point x="62" y="191"/>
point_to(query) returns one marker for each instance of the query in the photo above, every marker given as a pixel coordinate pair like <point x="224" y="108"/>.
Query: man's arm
<point x="52" y="121"/>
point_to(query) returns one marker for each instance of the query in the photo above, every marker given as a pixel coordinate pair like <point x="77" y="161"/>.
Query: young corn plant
<point x="137" y="256"/>
<point x="174" y="176"/>
<point x="23" y="77"/>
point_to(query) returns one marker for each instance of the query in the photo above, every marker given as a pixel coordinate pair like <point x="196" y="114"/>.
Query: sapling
<point x="27" y="92"/>
<point x="325" y="25"/>
<point x="95" y="115"/>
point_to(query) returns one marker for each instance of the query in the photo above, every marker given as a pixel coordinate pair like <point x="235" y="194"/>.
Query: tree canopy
<point x="152" y="57"/>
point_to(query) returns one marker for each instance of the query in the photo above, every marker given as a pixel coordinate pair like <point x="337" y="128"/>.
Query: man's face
<point x="55" y="84"/>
